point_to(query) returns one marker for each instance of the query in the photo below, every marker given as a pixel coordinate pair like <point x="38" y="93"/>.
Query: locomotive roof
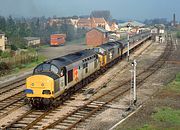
<point x="71" y="58"/>
<point x="109" y="45"/>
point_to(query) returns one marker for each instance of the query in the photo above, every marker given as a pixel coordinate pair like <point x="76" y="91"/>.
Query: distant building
<point x="96" y="36"/>
<point x="98" y="22"/>
<point x="59" y="21"/>
<point x="134" y="26"/>
<point x="3" y="41"/>
<point x="174" y="20"/>
<point x="158" y="32"/>
<point x="32" y="41"/>
<point x="89" y="23"/>
<point x="84" y="23"/>
<point x="113" y="26"/>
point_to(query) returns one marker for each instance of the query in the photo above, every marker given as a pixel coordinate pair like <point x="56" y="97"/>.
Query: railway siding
<point x="68" y="105"/>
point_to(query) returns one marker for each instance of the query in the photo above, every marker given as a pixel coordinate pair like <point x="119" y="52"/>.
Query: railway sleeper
<point x="69" y="121"/>
<point x="59" y="127"/>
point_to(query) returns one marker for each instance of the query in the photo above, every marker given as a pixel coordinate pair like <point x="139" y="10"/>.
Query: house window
<point x="70" y="76"/>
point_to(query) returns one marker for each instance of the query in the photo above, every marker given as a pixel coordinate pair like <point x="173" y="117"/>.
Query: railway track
<point x="12" y="97"/>
<point x="31" y="119"/>
<point x="12" y="86"/>
<point x="78" y="116"/>
<point x="11" y="103"/>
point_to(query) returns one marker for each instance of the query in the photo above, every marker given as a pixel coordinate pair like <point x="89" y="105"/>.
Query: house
<point x="55" y="21"/>
<point x="98" y="22"/>
<point x="96" y="36"/>
<point x="73" y="22"/>
<point x="84" y="23"/>
<point x="158" y="33"/>
<point x="3" y="41"/>
<point x="89" y="23"/>
<point x="113" y="26"/>
<point x="32" y="41"/>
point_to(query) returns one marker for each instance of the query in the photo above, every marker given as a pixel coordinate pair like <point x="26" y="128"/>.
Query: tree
<point x="10" y="26"/>
<point x="2" y="24"/>
<point x="69" y="30"/>
<point x="102" y="14"/>
<point x="14" y="47"/>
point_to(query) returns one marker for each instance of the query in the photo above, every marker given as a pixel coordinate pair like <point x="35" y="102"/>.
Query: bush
<point x="178" y="34"/>
<point x="1" y="52"/>
<point x="5" y="54"/>
<point x="3" y="66"/>
<point x="14" y="47"/>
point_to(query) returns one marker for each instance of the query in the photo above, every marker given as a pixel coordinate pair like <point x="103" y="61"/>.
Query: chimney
<point x="174" y="20"/>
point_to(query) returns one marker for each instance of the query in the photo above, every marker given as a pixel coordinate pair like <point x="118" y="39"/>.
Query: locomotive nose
<point x="39" y="86"/>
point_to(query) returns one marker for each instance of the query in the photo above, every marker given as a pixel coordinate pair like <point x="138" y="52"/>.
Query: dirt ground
<point x="111" y="116"/>
<point x="52" y="52"/>
<point x="159" y="113"/>
<point x="162" y="110"/>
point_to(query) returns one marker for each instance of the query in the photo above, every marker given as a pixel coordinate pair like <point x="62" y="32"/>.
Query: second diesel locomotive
<point x="53" y="77"/>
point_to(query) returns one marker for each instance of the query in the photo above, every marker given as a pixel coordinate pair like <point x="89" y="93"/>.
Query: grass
<point x="167" y="115"/>
<point x="166" y="118"/>
<point x="175" y="85"/>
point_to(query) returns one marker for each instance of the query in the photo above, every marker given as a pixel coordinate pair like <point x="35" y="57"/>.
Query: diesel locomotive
<point x="53" y="77"/>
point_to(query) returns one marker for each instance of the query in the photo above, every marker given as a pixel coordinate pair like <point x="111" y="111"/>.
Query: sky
<point x="120" y="9"/>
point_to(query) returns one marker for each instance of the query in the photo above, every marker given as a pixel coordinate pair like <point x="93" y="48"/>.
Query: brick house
<point x="98" y="22"/>
<point x="90" y="23"/>
<point x="96" y="36"/>
<point x="113" y="26"/>
<point x="84" y="23"/>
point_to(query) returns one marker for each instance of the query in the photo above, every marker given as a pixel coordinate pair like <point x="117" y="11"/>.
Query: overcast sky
<point x="120" y="9"/>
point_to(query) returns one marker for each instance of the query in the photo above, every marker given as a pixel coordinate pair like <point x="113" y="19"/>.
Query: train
<point x="55" y="77"/>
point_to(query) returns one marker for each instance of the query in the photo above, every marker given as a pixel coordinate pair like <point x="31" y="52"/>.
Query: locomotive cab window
<point x="54" y="69"/>
<point x="46" y="67"/>
<point x="38" y="69"/>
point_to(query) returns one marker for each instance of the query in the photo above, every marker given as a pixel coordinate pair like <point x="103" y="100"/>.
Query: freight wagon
<point x="57" y="39"/>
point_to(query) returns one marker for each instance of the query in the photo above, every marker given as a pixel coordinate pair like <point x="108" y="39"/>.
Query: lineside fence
<point x="10" y="63"/>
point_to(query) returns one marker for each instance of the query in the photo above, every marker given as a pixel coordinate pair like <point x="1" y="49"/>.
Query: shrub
<point x="5" y="54"/>
<point x="178" y="34"/>
<point x="3" y="66"/>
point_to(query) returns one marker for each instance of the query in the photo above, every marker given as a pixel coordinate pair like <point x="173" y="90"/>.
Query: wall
<point x="95" y="38"/>
<point x="2" y="42"/>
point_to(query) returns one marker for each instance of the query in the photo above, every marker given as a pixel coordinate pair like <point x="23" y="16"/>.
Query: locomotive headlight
<point x="42" y="84"/>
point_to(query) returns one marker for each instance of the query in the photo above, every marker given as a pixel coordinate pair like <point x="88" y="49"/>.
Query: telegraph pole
<point x="134" y="64"/>
<point x="128" y="41"/>
<point x="133" y="95"/>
